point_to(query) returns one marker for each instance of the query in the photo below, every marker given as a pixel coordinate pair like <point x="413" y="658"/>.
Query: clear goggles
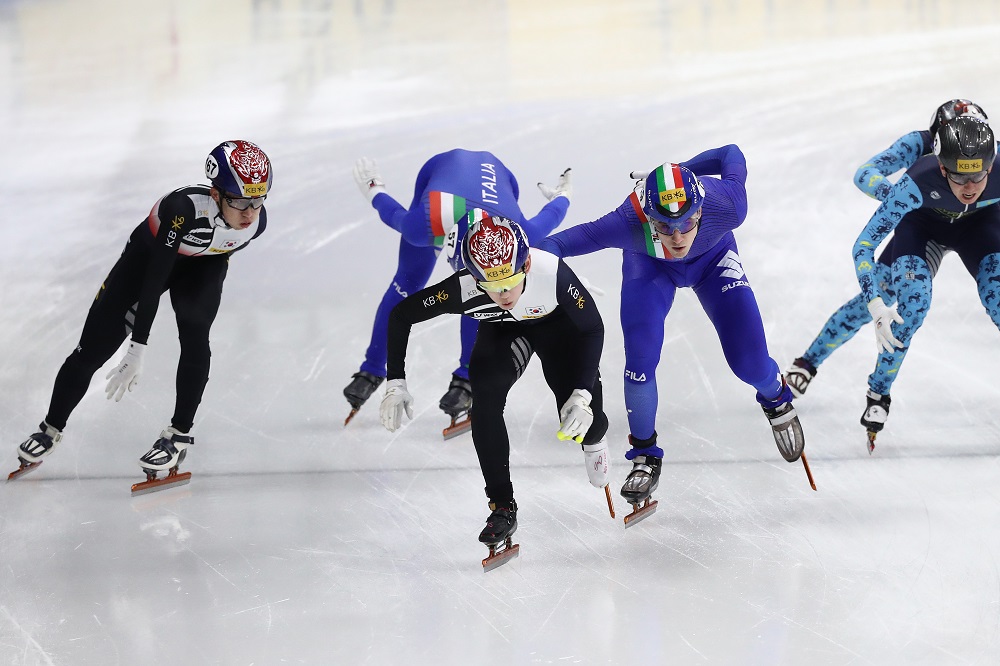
<point x="506" y="284"/>
<point x="965" y="178"/>
<point x="242" y="203"/>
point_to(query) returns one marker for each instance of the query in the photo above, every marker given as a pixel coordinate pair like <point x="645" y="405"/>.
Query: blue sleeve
<point x="903" y="197"/>
<point x="549" y="217"/>
<point x="611" y="230"/>
<point x="729" y="163"/>
<point x="870" y="177"/>
<point x="392" y="213"/>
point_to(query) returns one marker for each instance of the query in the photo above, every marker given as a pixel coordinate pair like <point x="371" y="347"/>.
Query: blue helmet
<point x="672" y="195"/>
<point x="952" y="109"/>
<point x="239" y="168"/>
<point x="495" y="250"/>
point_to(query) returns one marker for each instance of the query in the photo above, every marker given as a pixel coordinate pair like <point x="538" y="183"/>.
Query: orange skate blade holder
<point x="611" y="503"/>
<point x="647" y="509"/>
<point x="457" y="427"/>
<point x="500" y="557"/>
<point x="24" y="469"/>
<point x="809" y="474"/>
<point x="153" y="484"/>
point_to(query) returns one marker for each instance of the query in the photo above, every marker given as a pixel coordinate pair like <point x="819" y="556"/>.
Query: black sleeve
<point x="445" y="297"/>
<point x="579" y="305"/>
<point x="175" y="212"/>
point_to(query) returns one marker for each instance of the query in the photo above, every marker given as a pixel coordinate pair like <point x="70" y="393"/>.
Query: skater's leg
<point x="195" y="294"/>
<point x="414" y="267"/>
<point x="912" y="281"/>
<point x="108" y="324"/>
<point x="646" y="298"/>
<point x="498" y="360"/>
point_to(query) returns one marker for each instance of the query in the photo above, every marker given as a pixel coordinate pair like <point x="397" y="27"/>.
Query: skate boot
<point x="456" y="403"/>
<point x="167" y="454"/>
<point x="36" y="447"/>
<point x="595" y="457"/>
<point x="784" y="423"/>
<point x="876" y="412"/>
<point x="362" y="385"/>
<point x="799" y="375"/>
<point x="500" y="527"/>
<point x="647" y="459"/>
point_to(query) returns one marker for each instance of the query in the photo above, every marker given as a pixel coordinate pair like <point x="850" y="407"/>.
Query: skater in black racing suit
<point x="527" y="302"/>
<point x="182" y="246"/>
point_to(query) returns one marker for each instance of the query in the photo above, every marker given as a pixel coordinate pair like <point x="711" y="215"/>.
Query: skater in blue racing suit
<point x="676" y="230"/>
<point x="452" y="190"/>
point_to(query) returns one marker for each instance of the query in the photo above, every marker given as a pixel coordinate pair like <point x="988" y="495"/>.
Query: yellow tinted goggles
<point x="506" y="284"/>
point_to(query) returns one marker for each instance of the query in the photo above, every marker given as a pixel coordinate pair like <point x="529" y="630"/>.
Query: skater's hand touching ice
<point x="367" y="177"/>
<point x="126" y="375"/>
<point x="576" y="416"/>
<point x="396" y="400"/>
<point x="883" y="316"/>
<point x="563" y="188"/>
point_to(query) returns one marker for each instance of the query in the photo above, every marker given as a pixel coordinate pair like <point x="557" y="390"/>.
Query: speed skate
<point x="152" y="484"/>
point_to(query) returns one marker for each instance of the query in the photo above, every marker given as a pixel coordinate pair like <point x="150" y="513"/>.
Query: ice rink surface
<point x="300" y="541"/>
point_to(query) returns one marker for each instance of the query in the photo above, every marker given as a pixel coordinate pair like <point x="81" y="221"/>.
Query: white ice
<point x="300" y="541"/>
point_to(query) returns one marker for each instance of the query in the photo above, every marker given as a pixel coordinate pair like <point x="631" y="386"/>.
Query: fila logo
<point x="731" y="266"/>
<point x="630" y="374"/>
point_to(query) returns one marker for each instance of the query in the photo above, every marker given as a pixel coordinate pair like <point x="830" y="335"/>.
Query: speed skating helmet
<point x="966" y="147"/>
<point x="495" y="251"/>
<point x="672" y="195"/>
<point x="952" y="109"/>
<point x="239" y="168"/>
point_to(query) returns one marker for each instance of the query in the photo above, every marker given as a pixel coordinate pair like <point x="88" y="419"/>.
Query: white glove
<point x="563" y="188"/>
<point x="367" y="177"/>
<point x="396" y="399"/>
<point x="595" y="457"/>
<point x="126" y="375"/>
<point x="638" y="175"/>
<point x="883" y="316"/>
<point x="576" y="416"/>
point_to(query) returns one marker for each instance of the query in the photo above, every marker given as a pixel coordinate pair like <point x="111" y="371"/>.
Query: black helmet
<point x="966" y="146"/>
<point x="952" y="109"/>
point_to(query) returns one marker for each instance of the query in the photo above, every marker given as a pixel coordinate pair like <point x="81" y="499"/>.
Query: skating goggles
<point x="506" y="284"/>
<point x="241" y="203"/>
<point x="965" y="178"/>
<point x="668" y="227"/>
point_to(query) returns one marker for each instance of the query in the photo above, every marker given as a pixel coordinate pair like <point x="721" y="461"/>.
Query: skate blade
<point x="25" y="468"/>
<point x="640" y="513"/>
<point x="501" y="558"/>
<point x="168" y="481"/>
<point x="809" y="474"/>
<point x="457" y="428"/>
<point x="871" y="442"/>
<point x="354" y="410"/>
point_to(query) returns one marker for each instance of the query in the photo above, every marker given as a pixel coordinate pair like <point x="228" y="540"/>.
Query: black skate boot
<point x="784" y="422"/>
<point x="167" y="454"/>
<point x="362" y="385"/>
<point x="647" y="459"/>
<point x="500" y="527"/>
<point x="799" y="375"/>
<point x="37" y="446"/>
<point x="456" y="403"/>
<point x="876" y="413"/>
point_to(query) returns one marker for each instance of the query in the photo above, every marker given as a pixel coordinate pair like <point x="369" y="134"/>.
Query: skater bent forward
<point x="527" y="302"/>
<point x="182" y="246"/>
